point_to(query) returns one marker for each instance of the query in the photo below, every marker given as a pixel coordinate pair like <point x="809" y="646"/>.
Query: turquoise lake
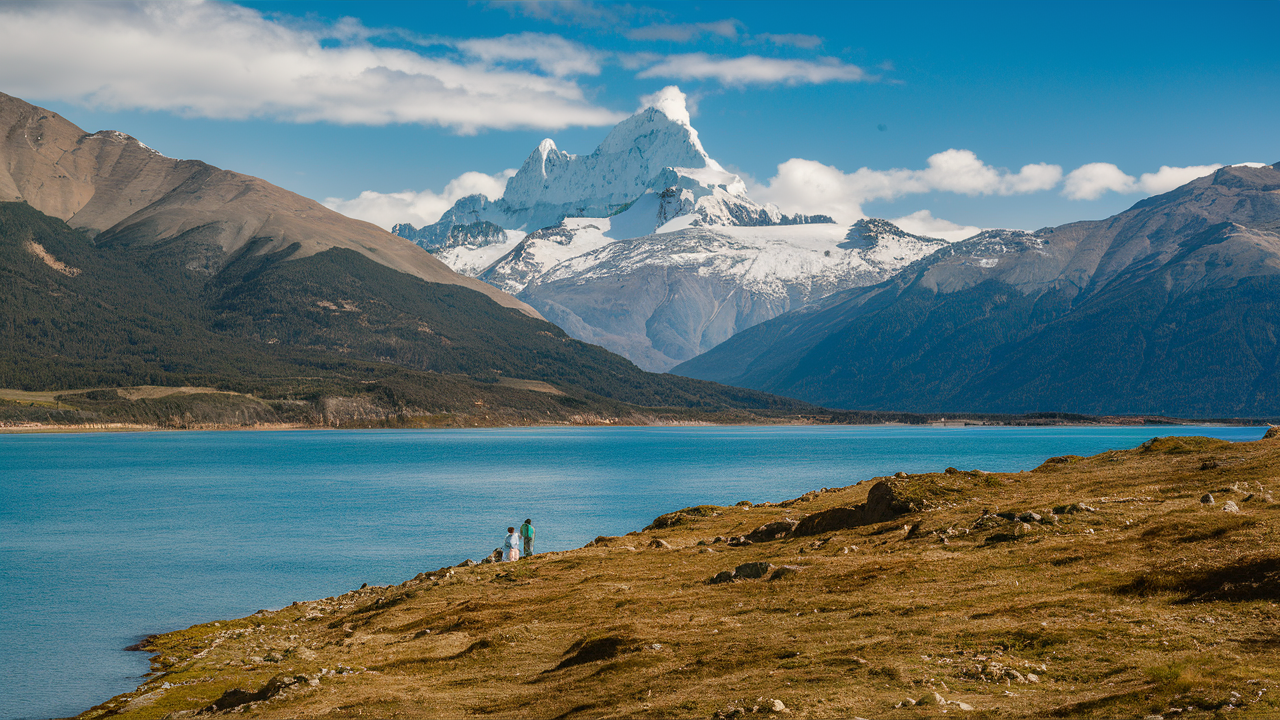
<point x="106" y="538"/>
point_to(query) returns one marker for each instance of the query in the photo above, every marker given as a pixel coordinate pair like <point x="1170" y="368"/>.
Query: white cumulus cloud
<point x="812" y="187"/>
<point x="755" y="70"/>
<point x="419" y="208"/>
<point x="922" y="222"/>
<point x="1093" y="180"/>
<point x="670" y="101"/>
<point x="1167" y="178"/>
<point x="219" y="60"/>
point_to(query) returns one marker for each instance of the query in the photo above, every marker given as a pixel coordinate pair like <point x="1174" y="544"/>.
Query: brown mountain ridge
<point x="122" y="191"/>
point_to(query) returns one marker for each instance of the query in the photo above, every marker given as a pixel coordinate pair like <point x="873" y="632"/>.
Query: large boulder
<point x="753" y="570"/>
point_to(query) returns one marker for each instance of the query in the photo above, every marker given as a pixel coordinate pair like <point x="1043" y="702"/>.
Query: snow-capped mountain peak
<point x="654" y="152"/>
<point x="650" y="247"/>
<point x="622" y="168"/>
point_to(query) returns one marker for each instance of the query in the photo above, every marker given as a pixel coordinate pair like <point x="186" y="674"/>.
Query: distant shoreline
<point x="1142" y="421"/>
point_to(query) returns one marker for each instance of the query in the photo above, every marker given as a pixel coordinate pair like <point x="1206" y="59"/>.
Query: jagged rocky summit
<point x="650" y="248"/>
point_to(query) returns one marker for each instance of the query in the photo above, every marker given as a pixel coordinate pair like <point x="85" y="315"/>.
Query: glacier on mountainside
<point x="664" y="298"/>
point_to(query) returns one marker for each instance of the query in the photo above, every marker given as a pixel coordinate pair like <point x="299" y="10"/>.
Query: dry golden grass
<point x="1151" y="603"/>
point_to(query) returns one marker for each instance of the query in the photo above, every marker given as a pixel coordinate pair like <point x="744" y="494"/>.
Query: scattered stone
<point x="785" y="571"/>
<point x="1014" y="675"/>
<point x="1022" y="529"/>
<point x="900" y="475"/>
<point x="777" y="706"/>
<point x="718" y="539"/>
<point x="961" y="705"/>
<point x="932" y="699"/>
<point x="660" y="544"/>
<point x="988" y="521"/>
<point x="1230" y="507"/>
<point x="743" y="504"/>
<point x="753" y="570"/>
<point x="721" y="577"/>
<point x="1207" y="499"/>
<point x="1029" y="517"/>
<point x="739" y="541"/>
<point x="1033" y="678"/>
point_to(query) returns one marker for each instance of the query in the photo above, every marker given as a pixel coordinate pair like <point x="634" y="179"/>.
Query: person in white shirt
<point x="511" y="545"/>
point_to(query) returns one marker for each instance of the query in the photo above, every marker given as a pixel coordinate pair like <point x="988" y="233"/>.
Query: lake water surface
<point x="106" y="538"/>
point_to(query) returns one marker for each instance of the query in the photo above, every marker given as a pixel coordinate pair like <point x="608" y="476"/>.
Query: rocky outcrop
<point x="237" y="698"/>
<point x="886" y="500"/>
<point x="746" y="571"/>
<point x="772" y="531"/>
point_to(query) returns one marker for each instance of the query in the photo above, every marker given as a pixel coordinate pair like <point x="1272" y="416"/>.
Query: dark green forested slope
<point x="124" y="315"/>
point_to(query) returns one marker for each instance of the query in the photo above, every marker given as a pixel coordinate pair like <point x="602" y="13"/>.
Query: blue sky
<point x="980" y="114"/>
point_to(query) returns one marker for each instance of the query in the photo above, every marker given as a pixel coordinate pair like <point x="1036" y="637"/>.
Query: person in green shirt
<point x="526" y="532"/>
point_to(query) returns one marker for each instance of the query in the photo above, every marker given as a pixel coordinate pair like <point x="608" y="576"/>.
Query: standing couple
<point x="511" y="546"/>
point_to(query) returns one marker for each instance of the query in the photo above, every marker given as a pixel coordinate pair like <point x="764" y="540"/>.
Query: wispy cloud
<point x="1092" y="181"/>
<point x="419" y="208"/>
<point x="806" y="42"/>
<point x="811" y="187"/>
<point x="687" y="32"/>
<point x="755" y="70"/>
<point x="550" y="53"/>
<point x="581" y="13"/>
<point x="217" y="60"/>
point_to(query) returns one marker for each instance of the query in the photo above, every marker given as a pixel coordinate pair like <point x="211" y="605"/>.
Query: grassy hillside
<point x="1093" y="587"/>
